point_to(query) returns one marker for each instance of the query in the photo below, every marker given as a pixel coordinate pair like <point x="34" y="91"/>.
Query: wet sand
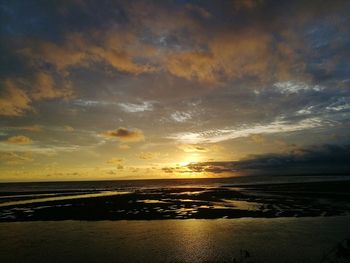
<point x="230" y="201"/>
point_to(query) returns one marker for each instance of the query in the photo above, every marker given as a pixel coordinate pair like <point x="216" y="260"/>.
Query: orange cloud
<point x="13" y="100"/>
<point x="20" y="139"/>
<point x="119" y="49"/>
<point x="192" y="65"/>
<point x="45" y="87"/>
<point x="222" y="55"/>
<point x="125" y="135"/>
<point x="17" y="97"/>
<point x="71" y="52"/>
<point x="234" y="56"/>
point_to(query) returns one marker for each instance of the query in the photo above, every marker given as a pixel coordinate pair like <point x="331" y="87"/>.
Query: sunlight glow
<point x="191" y="158"/>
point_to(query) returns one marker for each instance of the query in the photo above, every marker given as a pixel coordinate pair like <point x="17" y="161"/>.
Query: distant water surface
<point x="139" y="184"/>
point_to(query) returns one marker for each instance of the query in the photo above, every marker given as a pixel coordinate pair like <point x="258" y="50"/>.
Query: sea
<point x="129" y="185"/>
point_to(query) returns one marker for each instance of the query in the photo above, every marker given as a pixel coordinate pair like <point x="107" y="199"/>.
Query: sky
<point x="95" y="90"/>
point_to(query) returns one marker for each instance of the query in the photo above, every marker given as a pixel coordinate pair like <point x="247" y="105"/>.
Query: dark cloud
<point x="125" y="135"/>
<point x="318" y="159"/>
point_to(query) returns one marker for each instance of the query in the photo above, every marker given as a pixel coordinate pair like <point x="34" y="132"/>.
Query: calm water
<point x="268" y="240"/>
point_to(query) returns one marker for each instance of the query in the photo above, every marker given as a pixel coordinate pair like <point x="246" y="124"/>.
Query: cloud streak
<point x="133" y="107"/>
<point x="219" y="135"/>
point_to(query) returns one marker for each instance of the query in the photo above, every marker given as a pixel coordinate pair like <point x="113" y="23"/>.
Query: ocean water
<point x="139" y="184"/>
<point x="267" y="240"/>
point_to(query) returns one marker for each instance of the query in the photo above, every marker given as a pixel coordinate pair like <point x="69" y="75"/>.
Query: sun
<point x="191" y="158"/>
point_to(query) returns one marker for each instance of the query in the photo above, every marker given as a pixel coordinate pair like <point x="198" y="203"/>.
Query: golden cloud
<point x="20" y="139"/>
<point x="125" y="135"/>
<point x="192" y="148"/>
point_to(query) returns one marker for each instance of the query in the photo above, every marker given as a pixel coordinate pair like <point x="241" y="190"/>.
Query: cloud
<point x="202" y="12"/>
<point x="291" y="87"/>
<point x="257" y="138"/>
<point x="181" y="116"/>
<point x="148" y="155"/>
<point x="218" y="135"/>
<point x="20" y="139"/>
<point x="45" y="87"/>
<point x="117" y="48"/>
<point x="123" y="146"/>
<point x="131" y="107"/>
<point x="313" y="160"/>
<point x="245" y="54"/>
<point x="115" y="160"/>
<point x="15" y="158"/>
<point x="13" y="100"/>
<point x="340" y="104"/>
<point x="17" y="96"/>
<point x="247" y="4"/>
<point x="204" y="54"/>
<point x="168" y="169"/>
<point x="31" y="128"/>
<point x="192" y="148"/>
<point x="63" y="55"/>
<point x="125" y="135"/>
<point x="68" y="128"/>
